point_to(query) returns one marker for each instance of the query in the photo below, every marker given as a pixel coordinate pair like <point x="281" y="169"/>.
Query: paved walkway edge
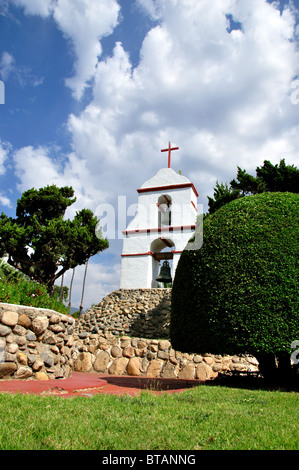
<point x="89" y="384"/>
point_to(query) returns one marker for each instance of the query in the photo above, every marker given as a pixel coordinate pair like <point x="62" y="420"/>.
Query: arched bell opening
<point x="162" y="249"/>
<point x="164" y="211"/>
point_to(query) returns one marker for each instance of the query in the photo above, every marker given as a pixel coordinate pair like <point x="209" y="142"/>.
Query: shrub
<point x="238" y="294"/>
<point x="16" y="288"/>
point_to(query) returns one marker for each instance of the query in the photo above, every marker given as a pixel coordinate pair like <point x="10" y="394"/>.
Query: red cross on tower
<point x="169" y="150"/>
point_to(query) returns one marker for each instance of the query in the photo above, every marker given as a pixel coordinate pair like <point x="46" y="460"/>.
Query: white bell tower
<point x="164" y="223"/>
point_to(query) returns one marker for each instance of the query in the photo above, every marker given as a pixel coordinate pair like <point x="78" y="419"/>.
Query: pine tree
<point x="41" y="243"/>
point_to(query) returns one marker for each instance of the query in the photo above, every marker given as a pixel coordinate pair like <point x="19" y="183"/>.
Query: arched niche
<point x="164" y="210"/>
<point x="162" y="249"/>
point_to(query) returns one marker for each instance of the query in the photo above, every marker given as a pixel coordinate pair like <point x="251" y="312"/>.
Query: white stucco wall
<point x="140" y="271"/>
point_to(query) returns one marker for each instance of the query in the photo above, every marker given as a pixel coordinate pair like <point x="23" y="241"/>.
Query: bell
<point x="165" y="274"/>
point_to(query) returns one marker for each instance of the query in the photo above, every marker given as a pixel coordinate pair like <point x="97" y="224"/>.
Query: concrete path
<point x="89" y="384"/>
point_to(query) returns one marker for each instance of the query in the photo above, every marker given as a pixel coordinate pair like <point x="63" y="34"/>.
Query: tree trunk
<point x="71" y="288"/>
<point x="267" y="365"/>
<point x="83" y="287"/>
<point x="61" y="288"/>
<point x="50" y="288"/>
<point x="286" y="372"/>
<point x="51" y="282"/>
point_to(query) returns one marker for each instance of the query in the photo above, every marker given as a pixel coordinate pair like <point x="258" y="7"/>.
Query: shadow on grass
<point x="154" y="384"/>
<point x="254" y="382"/>
<point x="245" y="381"/>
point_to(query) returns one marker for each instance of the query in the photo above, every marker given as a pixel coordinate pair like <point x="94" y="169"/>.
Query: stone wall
<point x="127" y="333"/>
<point x="42" y="344"/>
<point x="35" y="343"/>
<point x="141" y="313"/>
<point x="151" y="358"/>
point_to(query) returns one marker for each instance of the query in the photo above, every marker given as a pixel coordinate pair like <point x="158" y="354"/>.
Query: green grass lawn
<point x="206" y="417"/>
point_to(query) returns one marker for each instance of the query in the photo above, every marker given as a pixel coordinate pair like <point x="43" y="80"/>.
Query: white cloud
<point x="5" y="149"/>
<point x="194" y="79"/>
<point x="4" y="8"/>
<point x="4" y="200"/>
<point x="30" y="162"/>
<point x="39" y="167"/>
<point x="84" y="23"/>
<point x="36" y="7"/>
<point x="7" y="65"/>
<point x="22" y="75"/>
<point x="222" y="97"/>
<point x="149" y="7"/>
<point x="3" y="155"/>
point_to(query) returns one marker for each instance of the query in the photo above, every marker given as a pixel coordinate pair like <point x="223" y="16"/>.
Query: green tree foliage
<point x="41" y="243"/>
<point x="269" y="177"/>
<point x="222" y="195"/>
<point x="238" y="294"/>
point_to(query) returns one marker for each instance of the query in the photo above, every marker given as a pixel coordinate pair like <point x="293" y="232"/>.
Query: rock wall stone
<point x="133" y="312"/>
<point x="109" y="354"/>
<point x="35" y="343"/>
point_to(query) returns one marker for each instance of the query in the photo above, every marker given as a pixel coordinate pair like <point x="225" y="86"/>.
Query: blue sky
<point x="94" y="89"/>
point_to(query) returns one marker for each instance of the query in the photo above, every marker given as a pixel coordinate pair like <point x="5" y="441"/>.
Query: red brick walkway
<point x="88" y="384"/>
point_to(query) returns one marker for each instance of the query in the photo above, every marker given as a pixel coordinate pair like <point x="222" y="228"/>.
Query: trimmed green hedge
<point x="239" y="293"/>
